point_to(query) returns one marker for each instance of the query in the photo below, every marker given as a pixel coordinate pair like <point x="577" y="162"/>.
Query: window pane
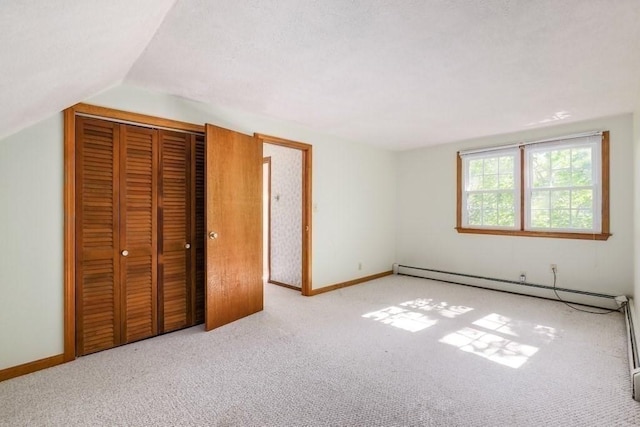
<point x="560" y="199"/>
<point x="475" y="183"/>
<point x="560" y="218"/>
<point x="540" y="199"/>
<point x="475" y="217"/>
<point x="582" y="199"/>
<point x="581" y="158"/>
<point x="561" y="178"/>
<point x="490" y="182"/>
<point x="505" y="200"/>
<point x="506" y="164"/>
<point x="581" y="166"/>
<point x="560" y="159"/>
<point x="506" y="211"/>
<point x="540" y="218"/>
<point x="582" y="218"/>
<point x="541" y="179"/>
<point x="491" y="165"/>
<point x="581" y="177"/>
<point x="491" y="209"/>
<point x="489" y="216"/>
<point x="506" y="218"/>
<point x="475" y="167"/>
<point x="490" y="200"/>
<point x="505" y="181"/>
<point x="474" y="201"/>
<point x="541" y="169"/>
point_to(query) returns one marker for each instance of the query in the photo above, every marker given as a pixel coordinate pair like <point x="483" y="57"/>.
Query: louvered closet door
<point x="198" y="226"/>
<point x="97" y="211"/>
<point x="175" y="264"/>
<point x="138" y="232"/>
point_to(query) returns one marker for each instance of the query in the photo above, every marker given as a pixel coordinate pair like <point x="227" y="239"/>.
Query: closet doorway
<point x="139" y="260"/>
<point x="134" y="237"/>
<point x="287" y="213"/>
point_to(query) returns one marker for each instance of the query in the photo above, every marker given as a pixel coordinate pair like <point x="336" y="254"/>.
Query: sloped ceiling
<point x="54" y="54"/>
<point x="397" y="74"/>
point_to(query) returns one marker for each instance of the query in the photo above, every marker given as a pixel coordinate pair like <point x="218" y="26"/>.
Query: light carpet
<point x="397" y="351"/>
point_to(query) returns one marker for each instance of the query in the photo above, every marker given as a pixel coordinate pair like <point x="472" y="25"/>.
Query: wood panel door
<point x="175" y="287"/>
<point x="234" y="287"/>
<point x="98" y="320"/>
<point x="138" y="232"/>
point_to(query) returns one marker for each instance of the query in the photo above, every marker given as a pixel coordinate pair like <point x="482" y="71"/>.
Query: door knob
<point x="213" y="235"/>
<point x="187" y="246"/>
<point x="125" y="253"/>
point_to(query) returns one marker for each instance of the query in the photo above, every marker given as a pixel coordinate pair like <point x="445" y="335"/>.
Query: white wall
<point x="31" y="256"/>
<point x="354" y="219"/>
<point x="286" y="214"/>
<point x="427" y="217"/>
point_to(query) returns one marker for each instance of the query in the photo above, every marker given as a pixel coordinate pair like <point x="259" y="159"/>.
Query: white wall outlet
<point x="360" y="266"/>
<point x="523" y="277"/>
<point x="554" y="268"/>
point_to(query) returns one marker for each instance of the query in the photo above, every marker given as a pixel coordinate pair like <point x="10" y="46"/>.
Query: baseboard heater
<point x="634" y="357"/>
<point x="594" y="299"/>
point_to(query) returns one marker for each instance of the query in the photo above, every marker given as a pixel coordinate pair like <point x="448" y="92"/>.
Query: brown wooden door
<point x="138" y="232"/>
<point x="234" y="286"/>
<point x="98" y="319"/>
<point x="175" y="287"/>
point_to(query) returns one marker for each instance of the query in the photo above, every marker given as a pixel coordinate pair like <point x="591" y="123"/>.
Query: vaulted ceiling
<point x="397" y="74"/>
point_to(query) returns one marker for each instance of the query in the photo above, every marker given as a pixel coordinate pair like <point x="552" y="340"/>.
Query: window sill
<point x="521" y="233"/>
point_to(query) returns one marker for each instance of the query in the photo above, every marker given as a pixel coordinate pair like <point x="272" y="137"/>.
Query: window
<point x="491" y="191"/>
<point x="551" y="188"/>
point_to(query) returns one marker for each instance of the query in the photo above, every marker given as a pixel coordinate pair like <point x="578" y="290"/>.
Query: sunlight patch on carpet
<point x="492" y="347"/>
<point x="402" y="318"/>
<point x="505" y="325"/>
<point x="410" y="315"/>
<point x="442" y="308"/>
<point x="496" y="322"/>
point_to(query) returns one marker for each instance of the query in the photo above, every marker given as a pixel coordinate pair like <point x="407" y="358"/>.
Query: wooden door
<point x="138" y="232"/>
<point x="234" y="286"/>
<point x="98" y="320"/>
<point x="175" y="287"/>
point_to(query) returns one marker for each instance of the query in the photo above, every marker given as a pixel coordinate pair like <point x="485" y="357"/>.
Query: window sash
<point x="515" y="191"/>
<point x="593" y="143"/>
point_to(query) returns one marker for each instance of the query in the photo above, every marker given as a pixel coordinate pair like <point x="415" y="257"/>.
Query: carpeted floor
<point x="397" y="351"/>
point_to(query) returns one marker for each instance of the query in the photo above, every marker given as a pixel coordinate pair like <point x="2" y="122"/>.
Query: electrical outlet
<point x="523" y="277"/>
<point x="360" y="266"/>
<point x="554" y="268"/>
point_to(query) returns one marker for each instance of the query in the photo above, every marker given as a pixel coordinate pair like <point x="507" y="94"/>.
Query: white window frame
<point x="595" y="145"/>
<point x="515" y="153"/>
